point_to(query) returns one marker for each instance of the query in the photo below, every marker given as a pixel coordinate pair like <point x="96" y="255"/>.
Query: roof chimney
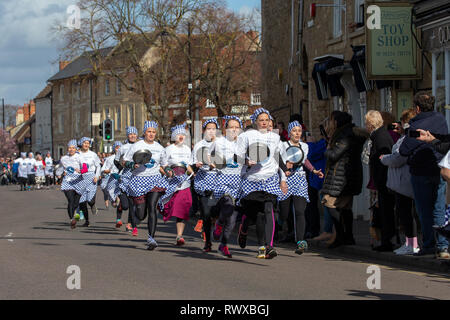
<point x="63" y="64"/>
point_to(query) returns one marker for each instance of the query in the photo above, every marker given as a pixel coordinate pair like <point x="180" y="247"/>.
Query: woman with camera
<point x="399" y="180"/>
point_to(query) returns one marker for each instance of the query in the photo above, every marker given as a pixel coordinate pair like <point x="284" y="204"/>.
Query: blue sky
<point x="26" y="51"/>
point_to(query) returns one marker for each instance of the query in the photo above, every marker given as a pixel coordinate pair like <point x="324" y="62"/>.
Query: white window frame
<point x="359" y="16"/>
<point x="131" y="117"/>
<point x="61" y="92"/>
<point x="107" y="91"/>
<point x="209" y="104"/>
<point x="255" y="99"/>
<point x="337" y="18"/>
<point x="118" y="87"/>
<point x="118" y="118"/>
<point x="445" y="82"/>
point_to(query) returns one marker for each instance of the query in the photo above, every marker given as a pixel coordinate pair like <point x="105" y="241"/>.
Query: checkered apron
<point x="125" y="179"/>
<point x="172" y="187"/>
<point x="227" y="184"/>
<point x="113" y="189"/>
<point x="87" y="188"/>
<point x="297" y="186"/>
<point x="203" y="181"/>
<point x="447" y="216"/>
<point x="139" y="186"/>
<point x="71" y="181"/>
<point x="271" y="185"/>
<point x="104" y="182"/>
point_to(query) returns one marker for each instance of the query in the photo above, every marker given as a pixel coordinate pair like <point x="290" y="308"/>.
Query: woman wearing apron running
<point x="261" y="184"/>
<point x="147" y="184"/>
<point x="49" y="170"/>
<point x="205" y="177"/>
<point x="71" y="164"/>
<point x="227" y="184"/>
<point x="177" y="200"/>
<point x="91" y="174"/>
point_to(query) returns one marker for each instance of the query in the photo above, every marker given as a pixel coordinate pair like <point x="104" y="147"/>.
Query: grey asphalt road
<point x="37" y="247"/>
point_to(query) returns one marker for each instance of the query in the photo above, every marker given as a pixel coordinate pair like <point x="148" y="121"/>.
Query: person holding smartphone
<point x="428" y="185"/>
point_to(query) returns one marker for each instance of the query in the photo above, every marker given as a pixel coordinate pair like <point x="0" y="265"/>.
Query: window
<point x="118" y="86"/>
<point x="106" y="87"/>
<point x="209" y="104"/>
<point x="118" y="119"/>
<point x="359" y="13"/>
<point x="77" y="122"/>
<point x="61" y="123"/>
<point x="61" y="92"/>
<point x="441" y="82"/>
<point x="130" y="120"/>
<point x="337" y="18"/>
<point x="255" y="99"/>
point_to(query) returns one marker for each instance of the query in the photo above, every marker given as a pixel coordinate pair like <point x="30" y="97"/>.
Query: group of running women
<point x="228" y="181"/>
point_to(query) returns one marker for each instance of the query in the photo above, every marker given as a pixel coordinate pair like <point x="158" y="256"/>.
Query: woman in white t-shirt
<point x="40" y="172"/>
<point x="146" y="184"/>
<point x="31" y="170"/>
<point x="177" y="200"/>
<point x="22" y="175"/>
<point x="445" y="172"/>
<point x="261" y="184"/>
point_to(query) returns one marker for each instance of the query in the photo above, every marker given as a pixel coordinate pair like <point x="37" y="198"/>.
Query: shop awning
<point x="326" y="81"/>
<point x="358" y="63"/>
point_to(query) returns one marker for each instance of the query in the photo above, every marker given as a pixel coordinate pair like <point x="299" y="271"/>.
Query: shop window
<point x="337" y="18"/>
<point x="359" y="13"/>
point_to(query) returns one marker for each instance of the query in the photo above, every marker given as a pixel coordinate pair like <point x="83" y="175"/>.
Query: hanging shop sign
<point x="392" y="50"/>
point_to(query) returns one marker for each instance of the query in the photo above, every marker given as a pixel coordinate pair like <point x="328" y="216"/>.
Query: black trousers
<point x="123" y="206"/>
<point x="403" y="206"/>
<point x="299" y="204"/>
<point x="72" y="202"/>
<point x="208" y="211"/>
<point x="312" y="214"/>
<point x="49" y="180"/>
<point x="148" y="207"/>
<point x="83" y="207"/>
<point x="227" y="217"/>
<point x="386" y="202"/>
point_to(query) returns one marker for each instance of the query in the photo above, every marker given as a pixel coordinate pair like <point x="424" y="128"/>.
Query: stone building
<point x="314" y="56"/>
<point x="43" y="135"/>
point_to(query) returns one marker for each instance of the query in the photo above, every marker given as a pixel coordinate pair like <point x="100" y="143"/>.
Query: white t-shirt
<point x="268" y="168"/>
<point x="158" y="154"/>
<point x="177" y="154"/>
<point x="109" y="164"/>
<point x="226" y="149"/>
<point x="48" y="166"/>
<point x="91" y="159"/>
<point x="40" y="168"/>
<point x="285" y="145"/>
<point x="22" y="169"/>
<point x="31" y="163"/>
<point x="445" y="162"/>
<point x="197" y="147"/>
<point x="71" y="161"/>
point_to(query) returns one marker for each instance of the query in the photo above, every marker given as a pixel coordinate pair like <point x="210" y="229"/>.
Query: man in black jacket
<point x="428" y="185"/>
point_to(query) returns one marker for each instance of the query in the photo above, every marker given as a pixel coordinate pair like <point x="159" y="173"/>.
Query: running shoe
<point x="217" y="231"/>
<point x="151" y="243"/>
<point x="135" y="232"/>
<point x="81" y="215"/>
<point x="261" y="253"/>
<point x="77" y="217"/>
<point x="207" y="248"/>
<point x="180" y="241"/>
<point x="242" y="237"/>
<point x="271" y="253"/>
<point x="118" y="223"/>
<point x="129" y="228"/>
<point x="86" y="224"/>
<point x="225" y="251"/>
<point x="199" y="226"/>
<point x="302" y="246"/>
<point x="73" y="223"/>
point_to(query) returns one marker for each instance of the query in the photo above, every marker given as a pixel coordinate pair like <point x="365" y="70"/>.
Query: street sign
<point x="96" y="119"/>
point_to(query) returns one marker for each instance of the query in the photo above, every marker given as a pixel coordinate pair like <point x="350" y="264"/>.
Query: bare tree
<point x="143" y="34"/>
<point x="225" y="57"/>
<point x="8" y="145"/>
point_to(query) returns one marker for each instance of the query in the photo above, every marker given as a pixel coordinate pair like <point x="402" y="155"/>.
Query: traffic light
<point x="108" y="130"/>
<point x="100" y="130"/>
